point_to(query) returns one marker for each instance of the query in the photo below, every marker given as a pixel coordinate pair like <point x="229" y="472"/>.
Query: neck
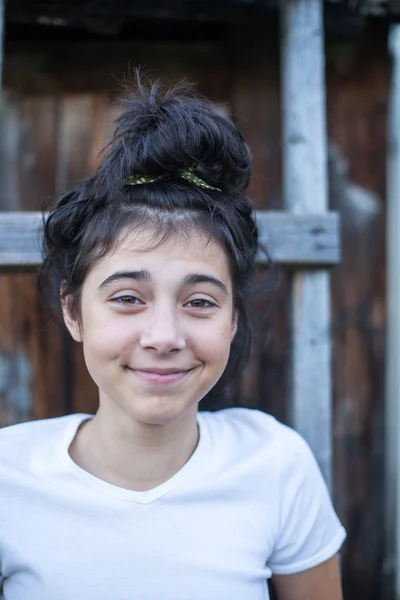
<point x="134" y="455"/>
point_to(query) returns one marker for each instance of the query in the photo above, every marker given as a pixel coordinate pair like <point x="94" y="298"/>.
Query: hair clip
<point x="187" y="174"/>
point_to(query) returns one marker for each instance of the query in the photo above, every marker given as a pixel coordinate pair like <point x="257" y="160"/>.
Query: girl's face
<point x="157" y="325"/>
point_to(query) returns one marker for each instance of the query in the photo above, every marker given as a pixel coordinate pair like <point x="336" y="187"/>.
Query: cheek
<point x="212" y="342"/>
<point x="105" y="339"/>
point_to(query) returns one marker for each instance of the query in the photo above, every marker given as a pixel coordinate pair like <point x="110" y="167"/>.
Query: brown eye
<point x="126" y="299"/>
<point x="200" y="303"/>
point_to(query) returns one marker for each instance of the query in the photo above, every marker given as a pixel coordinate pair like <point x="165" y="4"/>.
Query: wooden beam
<point x="1" y="44"/>
<point x="305" y="191"/>
<point x="32" y="67"/>
<point x="300" y="240"/>
<point x="391" y="571"/>
<point x="289" y="239"/>
<point x="62" y="14"/>
<point x="20" y="234"/>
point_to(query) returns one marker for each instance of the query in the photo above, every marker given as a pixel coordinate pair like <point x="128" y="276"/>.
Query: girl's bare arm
<point x="319" y="583"/>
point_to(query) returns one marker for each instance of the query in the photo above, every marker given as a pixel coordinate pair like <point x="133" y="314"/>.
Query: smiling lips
<point x="161" y="375"/>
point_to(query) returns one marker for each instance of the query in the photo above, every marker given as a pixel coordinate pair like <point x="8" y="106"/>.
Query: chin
<point x="160" y="411"/>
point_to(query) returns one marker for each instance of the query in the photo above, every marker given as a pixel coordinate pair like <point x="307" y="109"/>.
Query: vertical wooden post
<point x="2" y="26"/>
<point x="305" y="191"/>
<point x="3" y="362"/>
<point x="392" y="400"/>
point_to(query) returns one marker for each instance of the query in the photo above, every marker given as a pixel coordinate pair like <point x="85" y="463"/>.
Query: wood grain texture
<point x="357" y="94"/>
<point x="255" y="100"/>
<point x="392" y="391"/>
<point x="92" y="67"/>
<point x="305" y="191"/>
<point x="289" y="239"/>
<point x="20" y="238"/>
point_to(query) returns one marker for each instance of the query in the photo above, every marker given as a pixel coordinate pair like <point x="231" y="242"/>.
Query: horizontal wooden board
<point x="308" y="240"/>
<point x="20" y="235"/>
<point x="289" y="239"/>
<point x="300" y="240"/>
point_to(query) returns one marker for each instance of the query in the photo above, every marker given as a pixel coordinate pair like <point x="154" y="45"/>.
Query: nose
<point x="163" y="332"/>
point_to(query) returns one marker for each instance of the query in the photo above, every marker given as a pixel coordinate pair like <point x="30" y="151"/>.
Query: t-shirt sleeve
<point x="309" y="531"/>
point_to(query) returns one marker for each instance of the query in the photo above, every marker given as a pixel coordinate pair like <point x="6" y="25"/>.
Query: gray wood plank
<point x="20" y="234"/>
<point x="289" y="239"/>
<point x="300" y="239"/>
<point x="2" y="26"/>
<point x="305" y="191"/>
<point x="392" y="392"/>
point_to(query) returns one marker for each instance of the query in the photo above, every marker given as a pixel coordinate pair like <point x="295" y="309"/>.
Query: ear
<point x="235" y="319"/>
<point x="71" y="323"/>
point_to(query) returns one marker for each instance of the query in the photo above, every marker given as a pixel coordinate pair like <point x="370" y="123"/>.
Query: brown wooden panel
<point x="255" y="100"/>
<point x="358" y="84"/>
<point x="29" y="341"/>
<point x="31" y="356"/>
<point x="101" y="67"/>
<point x="27" y="157"/>
<point x="357" y="72"/>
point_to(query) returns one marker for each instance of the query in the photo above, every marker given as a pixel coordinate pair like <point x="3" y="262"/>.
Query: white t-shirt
<point x="249" y="502"/>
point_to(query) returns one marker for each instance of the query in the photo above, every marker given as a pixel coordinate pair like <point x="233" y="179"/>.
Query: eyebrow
<point x="193" y="278"/>
<point x="144" y="275"/>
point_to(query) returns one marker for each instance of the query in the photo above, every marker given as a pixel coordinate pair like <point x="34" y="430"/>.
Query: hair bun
<point x="163" y="131"/>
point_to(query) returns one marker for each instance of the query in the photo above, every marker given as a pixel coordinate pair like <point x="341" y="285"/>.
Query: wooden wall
<point x="57" y="112"/>
<point x="357" y="96"/>
<point x="358" y="83"/>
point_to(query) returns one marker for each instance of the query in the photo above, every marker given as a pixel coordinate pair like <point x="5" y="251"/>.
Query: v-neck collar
<point x="189" y="469"/>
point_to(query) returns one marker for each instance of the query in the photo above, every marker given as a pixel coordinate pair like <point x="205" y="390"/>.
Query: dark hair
<point x="160" y="133"/>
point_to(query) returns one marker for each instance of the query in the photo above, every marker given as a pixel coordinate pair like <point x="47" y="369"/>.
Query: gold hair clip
<point x="187" y="174"/>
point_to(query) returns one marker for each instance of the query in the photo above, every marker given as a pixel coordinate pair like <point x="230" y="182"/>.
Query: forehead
<point x="181" y="253"/>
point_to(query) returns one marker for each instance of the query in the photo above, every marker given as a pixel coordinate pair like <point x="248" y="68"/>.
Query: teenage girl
<point x="150" y="260"/>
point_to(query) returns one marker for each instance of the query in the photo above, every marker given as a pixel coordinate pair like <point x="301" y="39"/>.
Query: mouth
<point x="161" y="375"/>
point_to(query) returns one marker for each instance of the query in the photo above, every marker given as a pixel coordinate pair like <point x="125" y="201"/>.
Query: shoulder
<point x="32" y="429"/>
<point x="257" y="431"/>
<point x="18" y="442"/>
<point x="255" y="423"/>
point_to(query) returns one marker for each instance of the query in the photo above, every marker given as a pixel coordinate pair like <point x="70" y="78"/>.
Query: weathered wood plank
<point x="299" y="240"/>
<point x="2" y="22"/>
<point x="20" y="234"/>
<point x="392" y="404"/>
<point x="289" y="239"/>
<point x="305" y="191"/>
<point x="92" y="67"/>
